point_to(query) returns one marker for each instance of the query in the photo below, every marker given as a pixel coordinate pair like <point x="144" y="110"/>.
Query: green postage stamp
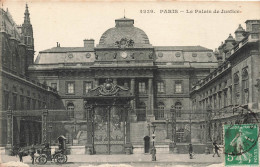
<point x="241" y="145"/>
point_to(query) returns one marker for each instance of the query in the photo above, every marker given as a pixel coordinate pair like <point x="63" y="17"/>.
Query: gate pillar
<point x="90" y="130"/>
<point x="44" y="125"/>
<point x="9" y="131"/>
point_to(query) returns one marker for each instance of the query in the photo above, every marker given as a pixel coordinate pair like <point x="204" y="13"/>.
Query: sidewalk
<point x="134" y="159"/>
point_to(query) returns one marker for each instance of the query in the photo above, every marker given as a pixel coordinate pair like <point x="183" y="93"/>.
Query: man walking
<point x="32" y="152"/>
<point x="216" y="148"/>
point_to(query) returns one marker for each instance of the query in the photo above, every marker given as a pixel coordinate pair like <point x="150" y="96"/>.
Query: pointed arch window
<point x="245" y="86"/>
<point x="160" y="111"/>
<point x="178" y="108"/>
<point x="236" y="88"/>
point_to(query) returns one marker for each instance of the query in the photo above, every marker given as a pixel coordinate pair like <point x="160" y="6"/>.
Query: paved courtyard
<point x="139" y="160"/>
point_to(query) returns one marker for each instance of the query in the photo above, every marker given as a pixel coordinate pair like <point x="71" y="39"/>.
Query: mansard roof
<point x="182" y="48"/>
<point x="66" y="49"/>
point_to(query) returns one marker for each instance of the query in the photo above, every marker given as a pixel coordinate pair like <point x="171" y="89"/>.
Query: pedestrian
<point x="32" y="152"/>
<point x="190" y="151"/>
<point x="20" y="154"/>
<point x="216" y="148"/>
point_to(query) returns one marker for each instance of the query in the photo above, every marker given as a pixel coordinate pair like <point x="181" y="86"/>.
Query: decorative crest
<point x="124" y="43"/>
<point x="109" y="88"/>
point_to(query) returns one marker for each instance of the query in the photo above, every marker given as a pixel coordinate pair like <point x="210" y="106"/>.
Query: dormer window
<point x="194" y="54"/>
<point x="160" y="54"/>
<point x="178" y="54"/>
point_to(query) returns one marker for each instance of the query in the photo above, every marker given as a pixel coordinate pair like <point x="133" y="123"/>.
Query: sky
<point x="69" y="23"/>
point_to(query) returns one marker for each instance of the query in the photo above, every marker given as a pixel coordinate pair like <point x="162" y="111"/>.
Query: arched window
<point x="178" y="107"/>
<point x="245" y="85"/>
<point x="180" y="135"/>
<point x="160" y="111"/>
<point x="70" y="109"/>
<point x="236" y="88"/>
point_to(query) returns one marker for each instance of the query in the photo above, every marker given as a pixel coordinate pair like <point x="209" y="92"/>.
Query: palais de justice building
<point x="109" y="96"/>
<point x="141" y="83"/>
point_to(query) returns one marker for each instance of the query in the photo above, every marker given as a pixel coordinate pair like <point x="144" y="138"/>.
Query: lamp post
<point x="153" y="135"/>
<point x="72" y="134"/>
<point x="167" y="122"/>
<point x="50" y="131"/>
<point x="153" y="151"/>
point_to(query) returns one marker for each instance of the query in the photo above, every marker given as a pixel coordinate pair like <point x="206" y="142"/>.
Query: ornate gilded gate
<point x="109" y="129"/>
<point x="107" y="108"/>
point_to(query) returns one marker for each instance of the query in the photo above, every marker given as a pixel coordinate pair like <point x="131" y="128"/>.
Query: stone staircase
<point x="138" y="132"/>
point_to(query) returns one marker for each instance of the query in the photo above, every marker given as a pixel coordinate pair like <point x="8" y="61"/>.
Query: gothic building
<point x="19" y="93"/>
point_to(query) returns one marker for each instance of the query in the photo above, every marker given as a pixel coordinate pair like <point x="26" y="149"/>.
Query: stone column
<point x="9" y="131"/>
<point x="133" y="117"/>
<point x="150" y="100"/>
<point x="44" y="125"/>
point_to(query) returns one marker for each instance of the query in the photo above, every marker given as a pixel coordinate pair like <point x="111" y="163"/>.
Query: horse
<point x="21" y="152"/>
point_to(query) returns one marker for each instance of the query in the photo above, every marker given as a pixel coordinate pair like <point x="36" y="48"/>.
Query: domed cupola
<point x="124" y="34"/>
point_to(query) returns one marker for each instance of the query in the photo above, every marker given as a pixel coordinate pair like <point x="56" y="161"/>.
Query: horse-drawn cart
<point x="59" y="156"/>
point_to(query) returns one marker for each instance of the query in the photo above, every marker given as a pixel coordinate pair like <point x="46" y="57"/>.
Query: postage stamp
<point x="241" y="144"/>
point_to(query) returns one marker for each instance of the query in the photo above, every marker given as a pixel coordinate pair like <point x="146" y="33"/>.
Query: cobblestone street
<point x="129" y="160"/>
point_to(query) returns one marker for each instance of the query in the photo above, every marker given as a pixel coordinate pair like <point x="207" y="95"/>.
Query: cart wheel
<point x="42" y="159"/>
<point x="60" y="158"/>
<point x="66" y="158"/>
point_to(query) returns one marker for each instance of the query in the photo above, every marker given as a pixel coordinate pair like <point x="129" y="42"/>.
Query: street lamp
<point x="153" y="151"/>
<point x="153" y="135"/>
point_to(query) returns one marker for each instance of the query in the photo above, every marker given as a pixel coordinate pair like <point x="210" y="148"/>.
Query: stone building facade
<point x="108" y="97"/>
<point x="157" y="78"/>
<point x="231" y="90"/>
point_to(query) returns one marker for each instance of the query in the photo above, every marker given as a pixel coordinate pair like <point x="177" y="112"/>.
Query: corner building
<point x="113" y="93"/>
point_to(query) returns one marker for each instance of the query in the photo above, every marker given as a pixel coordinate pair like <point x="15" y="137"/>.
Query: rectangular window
<point x="22" y="102"/>
<point x="160" y="87"/>
<point x="6" y="100"/>
<point x="28" y="103"/>
<point x="70" y="87"/>
<point x="54" y="85"/>
<point x="14" y="101"/>
<point x="33" y="104"/>
<point x="178" y="87"/>
<point x="141" y="87"/>
<point x="87" y="86"/>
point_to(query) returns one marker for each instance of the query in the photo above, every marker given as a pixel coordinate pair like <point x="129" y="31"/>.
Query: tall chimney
<point x="239" y="33"/>
<point x="89" y="43"/>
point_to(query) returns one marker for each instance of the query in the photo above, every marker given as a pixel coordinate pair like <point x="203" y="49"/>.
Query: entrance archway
<point x="146" y="144"/>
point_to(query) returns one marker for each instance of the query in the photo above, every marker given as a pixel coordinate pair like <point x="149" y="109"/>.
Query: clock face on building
<point x="123" y="54"/>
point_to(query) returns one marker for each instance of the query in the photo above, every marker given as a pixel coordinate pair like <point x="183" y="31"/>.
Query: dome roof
<point x="125" y="30"/>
